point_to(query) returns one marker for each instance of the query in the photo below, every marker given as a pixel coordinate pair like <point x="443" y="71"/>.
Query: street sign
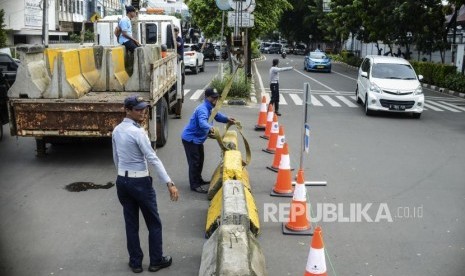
<point x="239" y="5"/>
<point x="307" y="138"/>
<point x="223" y="5"/>
<point x="252" y="6"/>
<point x="242" y="20"/>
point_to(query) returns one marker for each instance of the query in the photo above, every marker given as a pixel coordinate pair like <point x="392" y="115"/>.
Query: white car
<point x="389" y="84"/>
<point x="193" y="58"/>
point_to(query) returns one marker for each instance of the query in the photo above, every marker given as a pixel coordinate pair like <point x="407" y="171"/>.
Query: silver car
<point x="389" y="84"/>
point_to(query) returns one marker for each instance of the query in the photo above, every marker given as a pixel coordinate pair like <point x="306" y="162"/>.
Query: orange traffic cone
<point x="261" y="123"/>
<point x="316" y="263"/>
<point x="283" y="185"/>
<point x="269" y="121"/>
<point x="271" y="148"/>
<point x="279" y="150"/>
<point x="298" y="223"/>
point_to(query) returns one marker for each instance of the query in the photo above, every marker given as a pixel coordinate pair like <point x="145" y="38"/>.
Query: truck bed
<point x="93" y="115"/>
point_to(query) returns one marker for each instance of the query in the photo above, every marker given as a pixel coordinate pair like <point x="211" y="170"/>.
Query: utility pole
<point x="45" y="23"/>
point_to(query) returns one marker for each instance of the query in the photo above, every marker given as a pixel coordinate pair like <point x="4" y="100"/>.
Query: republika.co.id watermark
<point x="341" y="212"/>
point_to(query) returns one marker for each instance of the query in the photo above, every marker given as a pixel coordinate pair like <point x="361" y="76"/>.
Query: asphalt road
<point x="411" y="167"/>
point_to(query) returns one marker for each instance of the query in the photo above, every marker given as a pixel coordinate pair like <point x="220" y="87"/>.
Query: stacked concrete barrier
<point x="113" y="75"/>
<point x="88" y="65"/>
<point x="32" y="78"/>
<point x="140" y="79"/>
<point x="67" y="79"/>
<point x="232" y="219"/>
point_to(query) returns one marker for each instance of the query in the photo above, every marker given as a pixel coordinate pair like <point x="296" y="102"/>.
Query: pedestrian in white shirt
<point x="274" y="84"/>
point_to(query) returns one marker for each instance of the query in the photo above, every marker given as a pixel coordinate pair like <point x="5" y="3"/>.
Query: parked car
<point x="194" y="60"/>
<point x="274" y="48"/>
<point x="264" y="46"/>
<point x="208" y="50"/>
<point x="317" y="61"/>
<point x="387" y="83"/>
<point x="286" y="48"/>
<point x="300" y="49"/>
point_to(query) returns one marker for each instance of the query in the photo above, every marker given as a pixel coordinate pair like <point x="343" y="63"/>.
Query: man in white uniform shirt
<point x="132" y="152"/>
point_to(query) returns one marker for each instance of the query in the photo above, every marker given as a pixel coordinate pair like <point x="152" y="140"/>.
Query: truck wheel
<point x="1" y="132"/>
<point x="40" y="147"/>
<point x="162" y="122"/>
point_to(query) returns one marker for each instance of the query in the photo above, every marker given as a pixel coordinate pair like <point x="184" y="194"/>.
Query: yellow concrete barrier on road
<point x="88" y="67"/>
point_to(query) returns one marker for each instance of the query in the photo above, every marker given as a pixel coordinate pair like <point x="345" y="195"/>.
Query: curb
<point x="443" y="90"/>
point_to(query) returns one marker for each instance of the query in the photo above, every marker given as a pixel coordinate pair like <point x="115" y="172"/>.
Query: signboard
<point x="239" y="5"/>
<point x="252" y="6"/>
<point x="223" y="5"/>
<point x="33" y="13"/>
<point x="244" y="19"/>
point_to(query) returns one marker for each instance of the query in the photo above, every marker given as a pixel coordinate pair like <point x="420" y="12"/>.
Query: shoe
<point x="136" y="269"/>
<point x="200" y="189"/>
<point x="165" y="262"/>
<point x="277" y="113"/>
<point x="205" y="182"/>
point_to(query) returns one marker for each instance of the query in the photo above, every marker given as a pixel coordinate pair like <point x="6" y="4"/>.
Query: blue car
<point x="317" y="61"/>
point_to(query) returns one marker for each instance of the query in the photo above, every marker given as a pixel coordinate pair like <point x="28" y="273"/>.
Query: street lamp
<point x="451" y="38"/>
<point x="409" y="36"/>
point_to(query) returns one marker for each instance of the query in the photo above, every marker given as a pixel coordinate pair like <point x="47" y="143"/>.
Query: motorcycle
<point x="283" y="54"/>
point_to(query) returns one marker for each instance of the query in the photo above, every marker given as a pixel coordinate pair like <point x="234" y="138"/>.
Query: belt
<point x="274" y="82"/>
<point x="133" y="174"/>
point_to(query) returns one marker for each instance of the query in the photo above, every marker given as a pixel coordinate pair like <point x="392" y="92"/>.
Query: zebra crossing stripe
<point x="186" y="91"/>
<point x="296" y="99"/>
<point x="330" y="101"/>
<point x="454" y="106"/>
<point x="315" y="101"/>
<point x="346" y="101"/>
<point x="444" y="106"/>
<point x="432" y="107"/>
<point x="353" y="98"/>
<point x="197" y="94"/>
<point x="282" y="100"/>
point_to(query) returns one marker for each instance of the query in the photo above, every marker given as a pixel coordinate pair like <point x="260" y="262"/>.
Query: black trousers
<point x="136" y="194"/>
<point x="195" y="158"/>
<point x="274" y="87"/>
<point x="130" y="46"/>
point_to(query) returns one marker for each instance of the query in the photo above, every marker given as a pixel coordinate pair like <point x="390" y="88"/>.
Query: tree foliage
<point x="207" y="16"/>
<point x="2" y="29"/>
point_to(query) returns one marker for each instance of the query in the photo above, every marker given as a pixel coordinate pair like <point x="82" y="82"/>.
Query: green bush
<point x="240" y="88"/>
<point x="434" y="73"/>
<point x="255" y="50"/>
<point x="455" y="82"/>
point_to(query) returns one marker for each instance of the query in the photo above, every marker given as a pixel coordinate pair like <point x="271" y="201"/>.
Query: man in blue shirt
<point x="126" y="30"/>
<point x="131" y="153"/>
<point x="195" y="134"/>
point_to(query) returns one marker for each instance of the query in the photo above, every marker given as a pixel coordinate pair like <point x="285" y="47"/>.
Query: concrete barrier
<point x="140" y="78"/>
<point x="50" y="57"/>
<point x="88" y="66"/>
<point x="113" y="75"/>
<point x="67" y="79"/>
<point x="32" y="78"/>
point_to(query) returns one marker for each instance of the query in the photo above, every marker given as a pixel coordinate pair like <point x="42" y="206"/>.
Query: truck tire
<point x="162" y="122"/>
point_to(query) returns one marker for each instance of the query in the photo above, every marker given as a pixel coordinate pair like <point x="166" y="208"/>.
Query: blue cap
<point x="135" y="102"/>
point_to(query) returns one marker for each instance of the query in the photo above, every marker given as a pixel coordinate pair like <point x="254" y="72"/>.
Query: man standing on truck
<point x="125" y="25"/>
<point x="131" y="152"/>
<point x="195" y="134"/>
<point x="179" y="44"/>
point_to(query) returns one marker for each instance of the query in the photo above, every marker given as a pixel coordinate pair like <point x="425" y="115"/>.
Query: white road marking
<point x="197" y="94"/>
<point x="186" y="91"/>
<point x="297" y="100"/>
<point x="282" y="100"/>
<point x="315" y="101"/>
<point x="346" y="101"/>
<point x="322" y="84"/>
<point x="432" y="107"/>
<point x="444" y="106"/>
<point x="330" y="101"/>
<point x="454" y="106"/>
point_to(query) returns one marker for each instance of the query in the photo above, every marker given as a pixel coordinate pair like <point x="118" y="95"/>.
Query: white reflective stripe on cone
<point x="263" y="107"/>
<point x="280" y="142"/>
<point x="316" y="263"/>
<point x="300" y="193"/>
<point x="274" y="127"/>
<point x="285" y="163"/>
<point x="269" y="117"/>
